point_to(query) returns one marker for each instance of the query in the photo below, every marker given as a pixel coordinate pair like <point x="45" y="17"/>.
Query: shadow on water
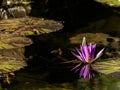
<point x="76" y="13"/>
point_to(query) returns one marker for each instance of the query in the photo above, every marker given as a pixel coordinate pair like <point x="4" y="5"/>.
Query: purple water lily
<point x="86" y="52"/>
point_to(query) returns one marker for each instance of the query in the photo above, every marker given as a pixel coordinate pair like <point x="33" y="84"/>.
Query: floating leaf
<point x="113" y="3"/>
<point x="108" y="67"/>
<point x="26" y="26"/>
<point x="14" y="42"/>
<point x="13" y="34"/>
<point x="11" y="64"/>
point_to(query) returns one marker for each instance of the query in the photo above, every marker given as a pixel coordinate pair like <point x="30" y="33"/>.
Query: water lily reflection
<point x="85" y="71"/>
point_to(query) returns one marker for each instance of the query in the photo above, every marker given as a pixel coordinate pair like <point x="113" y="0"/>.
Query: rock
<point x="14" y="8"/>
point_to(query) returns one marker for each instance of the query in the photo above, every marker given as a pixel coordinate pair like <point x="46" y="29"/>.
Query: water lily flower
<point x="86" y="52"/>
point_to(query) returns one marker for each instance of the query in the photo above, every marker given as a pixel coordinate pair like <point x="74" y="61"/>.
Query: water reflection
<point x="85" y="71"/>
<point x="59" y="79"/>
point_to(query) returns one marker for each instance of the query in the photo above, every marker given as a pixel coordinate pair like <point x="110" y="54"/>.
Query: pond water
<point x="60" y="79"/>
<point x="45" y="70"/>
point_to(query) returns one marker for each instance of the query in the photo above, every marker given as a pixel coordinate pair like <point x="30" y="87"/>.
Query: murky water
<point x="60" y="79"/>
<point x="54" y="76"/>
<point x="49" y="74"/>
<point x="46" y="72"/>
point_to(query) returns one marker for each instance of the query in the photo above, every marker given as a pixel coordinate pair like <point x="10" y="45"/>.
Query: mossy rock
<point x="15" y="2"/>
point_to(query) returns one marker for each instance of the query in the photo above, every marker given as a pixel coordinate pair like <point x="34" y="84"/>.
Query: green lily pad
<point x="29" y="26"/>
<point x="11" y="64"/>
<point x="113" y="3"/>
<point x="14" y="35"/>
<point x="14" y="42"/>
<point x="13" y="32"/>
<point x="108" y="67"/>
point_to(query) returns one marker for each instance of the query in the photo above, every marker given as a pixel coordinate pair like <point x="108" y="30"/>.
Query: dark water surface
<point x="44" y="71"/>
<point x="60" y="79"/>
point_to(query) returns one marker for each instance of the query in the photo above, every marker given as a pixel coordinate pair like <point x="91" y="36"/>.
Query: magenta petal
<point x="86" y="71"/>
<point x="85" y="52"/>
<point x="98" y="54"/>
<point x="82" y="71"/>
<point x="92" y="50"/>
<point x="92" y="53"/>
<point x="82" y="53"/>
<point x="79" y="52"/>
<point x="84" y="49"/>
<point x="78" y="56"/>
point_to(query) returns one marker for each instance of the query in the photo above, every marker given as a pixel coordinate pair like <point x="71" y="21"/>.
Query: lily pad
<point x="109" y="67"/>
<point x="14" y="42"/>
<point x="13" y="32"/>
<point x="112" y="3"/>
<point x="11" y="64"/>
<point x="29" y="26"/>
<point x="14" y="35"/>
<point x="12" y="60"/>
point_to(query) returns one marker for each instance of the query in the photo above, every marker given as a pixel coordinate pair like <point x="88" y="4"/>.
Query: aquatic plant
<point x="112" y="3"/>
<point x="86" y="56"/>
<point x="86" y="52"/>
